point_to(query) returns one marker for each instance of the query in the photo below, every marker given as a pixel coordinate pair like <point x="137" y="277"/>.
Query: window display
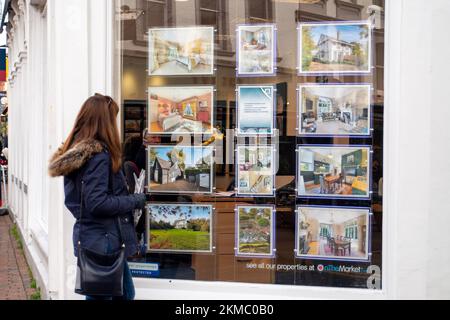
<point x="255" y="231"/>
<point x="179" y="169"/>
<point x="255" y="110"/>
<point x="333" y="233"/>
<point x="334" y="110"/>
<point x="264" y="152"/>
<point x="334" y="172"/>
<point x="343" y="47"/>
<point x="181" y="110"/>
<point x="257" y="50"/>
<point x="181" y="51"/>
<point x="182" y="228"/>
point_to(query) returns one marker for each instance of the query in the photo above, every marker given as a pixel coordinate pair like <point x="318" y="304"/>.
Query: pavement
<point x="15" y="277"/>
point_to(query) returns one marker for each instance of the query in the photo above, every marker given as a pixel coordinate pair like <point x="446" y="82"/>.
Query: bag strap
<point x="110" y="187"/>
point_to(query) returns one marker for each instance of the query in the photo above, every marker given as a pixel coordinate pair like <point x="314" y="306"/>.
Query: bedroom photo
<point x="181" y="51"/>
<point x="180" y="110"/>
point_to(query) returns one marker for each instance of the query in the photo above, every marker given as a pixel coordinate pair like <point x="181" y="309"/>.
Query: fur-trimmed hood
<point x="64" y="164"/>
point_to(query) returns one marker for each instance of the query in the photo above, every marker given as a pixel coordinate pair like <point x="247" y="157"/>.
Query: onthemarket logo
<point x="344" y="269"/>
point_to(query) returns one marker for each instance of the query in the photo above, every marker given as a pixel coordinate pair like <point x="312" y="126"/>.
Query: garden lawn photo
<point x="342" y="47"/>
<point x="255" y="231"/>
<point x="180" y="169"/>
<point x="179" y="228"/>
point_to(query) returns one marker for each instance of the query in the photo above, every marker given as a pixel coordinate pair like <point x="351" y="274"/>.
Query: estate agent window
<point x="264" y="145"/>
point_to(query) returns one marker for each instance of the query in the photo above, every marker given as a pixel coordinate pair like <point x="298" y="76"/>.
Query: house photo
<point x="334" y="110"/>
<point x="181" y="51"/>
<point x="180" y="110"/>
<point x="179" y="228"/>
<point x="180" y="169"/>
<point x="341" y="47"/>
<point x="334" y="172"/>
<point x="332" y="233"/>
<point x="256" y="49"/>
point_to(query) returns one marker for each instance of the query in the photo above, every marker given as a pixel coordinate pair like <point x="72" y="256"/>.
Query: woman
<point x="92" y="153"/>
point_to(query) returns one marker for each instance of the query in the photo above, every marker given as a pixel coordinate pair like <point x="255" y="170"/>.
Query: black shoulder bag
<point x="99" y="274"/>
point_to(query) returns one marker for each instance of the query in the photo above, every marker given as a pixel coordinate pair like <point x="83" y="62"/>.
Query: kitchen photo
<point x="334" y="110"/>
<point x="334" y="172"/>
<point x="332" y="233"/>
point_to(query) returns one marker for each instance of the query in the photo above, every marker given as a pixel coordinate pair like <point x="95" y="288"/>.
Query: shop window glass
<point x="213" y="13"/>
<point x="259" y="10"/>
<point x="264" y="154"/>
<point x="156" y="13"/>
<point x="315" y="7"/>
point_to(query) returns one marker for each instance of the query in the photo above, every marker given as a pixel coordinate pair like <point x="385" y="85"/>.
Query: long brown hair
<point x="97" y="120"/>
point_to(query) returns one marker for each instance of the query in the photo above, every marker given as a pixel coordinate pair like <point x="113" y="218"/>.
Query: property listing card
<point x="255" y="110"/>
<point x="256" y="46"/>
<point x="181" y="51"/>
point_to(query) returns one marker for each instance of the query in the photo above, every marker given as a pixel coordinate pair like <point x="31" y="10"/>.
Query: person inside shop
<point x="130" y="149"/>
<point x="97" y="196"/>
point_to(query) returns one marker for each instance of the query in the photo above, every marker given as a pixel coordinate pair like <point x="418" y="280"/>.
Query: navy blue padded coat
<point x="86" y="168"/>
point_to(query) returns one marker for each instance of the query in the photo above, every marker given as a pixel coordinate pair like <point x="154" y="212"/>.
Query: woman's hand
<point x="140" y="200"/>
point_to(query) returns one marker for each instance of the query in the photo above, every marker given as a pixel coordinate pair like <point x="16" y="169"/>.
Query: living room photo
<point x="333" y="233"/>
<point x="181" y="110"/>
<point x="334" y="110"/>
<point x="334" y="172"/>
<point x="181" y="51"/>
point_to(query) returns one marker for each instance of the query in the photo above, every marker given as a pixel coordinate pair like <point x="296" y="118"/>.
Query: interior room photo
<point x="335" y="171"/>
<point x="256" y="51"/>
<point x="178" y="51"/>
<point x="180" y="109"/>
<point x="332" y="233"/>
<point x="335" y="110"/>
